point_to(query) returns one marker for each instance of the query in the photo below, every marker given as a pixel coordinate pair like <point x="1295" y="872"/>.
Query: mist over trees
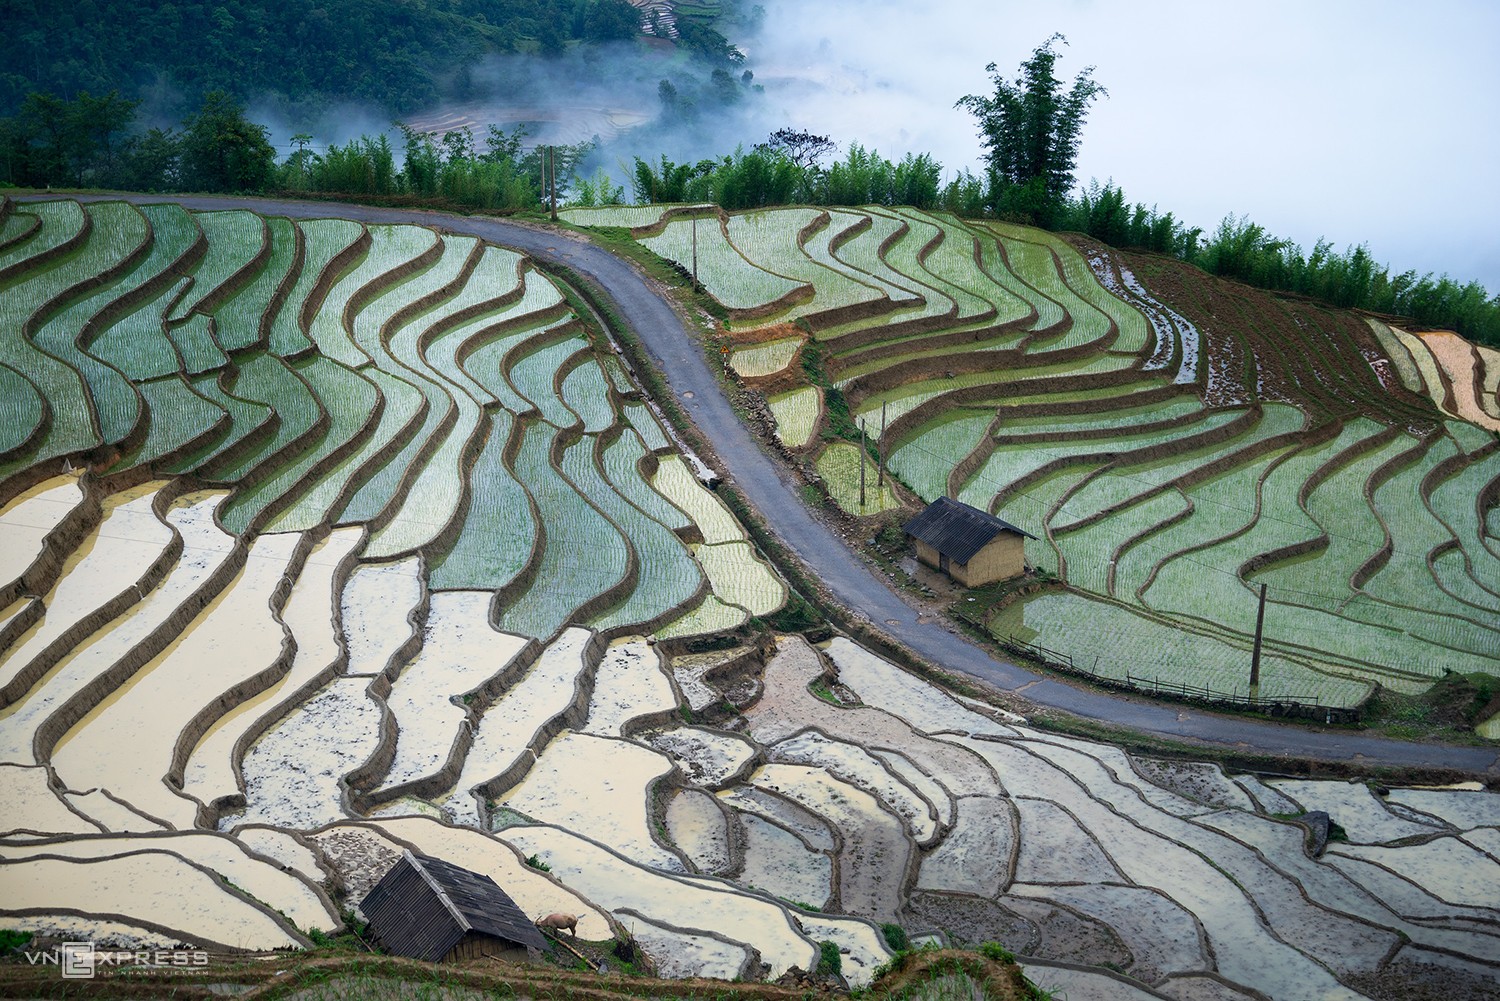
<point x="1031" y="127"/>
<point x="394" y="54"/>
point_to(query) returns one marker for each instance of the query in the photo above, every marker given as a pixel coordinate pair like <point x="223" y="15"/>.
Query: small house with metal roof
<point x="969" y="545"/>
<point x="428" y="909"/>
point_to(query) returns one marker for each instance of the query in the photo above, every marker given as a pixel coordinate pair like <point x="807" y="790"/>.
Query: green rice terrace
<point x="1173" y="441"/>
<point x="323" y="540"/>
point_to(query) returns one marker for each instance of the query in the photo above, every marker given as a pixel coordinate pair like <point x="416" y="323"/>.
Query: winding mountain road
<point x="773" y="490"/>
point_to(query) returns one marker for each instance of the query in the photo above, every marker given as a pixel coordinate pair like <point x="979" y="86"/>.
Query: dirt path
<point x="770" y="487"/>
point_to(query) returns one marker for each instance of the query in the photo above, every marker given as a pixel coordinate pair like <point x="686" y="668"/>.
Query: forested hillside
<point x="387" y="52"/>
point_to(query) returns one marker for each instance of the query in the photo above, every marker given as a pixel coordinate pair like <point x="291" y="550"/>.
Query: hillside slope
<point x="1173" y="441"/>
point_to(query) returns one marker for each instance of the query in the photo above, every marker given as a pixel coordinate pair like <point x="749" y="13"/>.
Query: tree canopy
<point x="393" y="53"/>
<point x="1031" y="129"/>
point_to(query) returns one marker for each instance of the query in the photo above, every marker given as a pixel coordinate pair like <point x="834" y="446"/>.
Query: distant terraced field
<point x="1172" y="441"/>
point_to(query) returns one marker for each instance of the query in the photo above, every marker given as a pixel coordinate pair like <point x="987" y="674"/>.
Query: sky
<point x="1371" y="122"/>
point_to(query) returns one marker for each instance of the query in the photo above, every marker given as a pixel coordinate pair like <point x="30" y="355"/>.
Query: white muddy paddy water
<point x="629" y="684"/>
<point x="512" y="726"/>
<point x="210" y="772"/>
<point x="692" y="906"/>
<point x="110" y="561"/>
<point x="461" y="651"/>
<point x="707" y="757"/>
<point x="600" y="785"/>
<point x="378" y="602"/>
<point x="27" y="518"/>
<point x="293" y="772"/>
<point x="205" y="548"/>
<point x="233" y="638"/>
<point x="151" y="887"/>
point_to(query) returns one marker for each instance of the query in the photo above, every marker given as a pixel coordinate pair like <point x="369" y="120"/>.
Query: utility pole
<point x="880" y="450"/>
<point x="695" y="250"/>
<point x="1260" y="624"/>
<point x="552" y="178"/>
<point x="861" y="464"/>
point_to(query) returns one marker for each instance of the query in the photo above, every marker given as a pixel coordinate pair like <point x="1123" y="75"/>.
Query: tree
<point x="1031" y="129"/>
<point x="62" y="142"/>
<point x="803" y="148"/>
<point x="700" y="38"/>
<point x="150" y="161"/>
<point x="222" y="150"/>
<point x="607" y="21"/>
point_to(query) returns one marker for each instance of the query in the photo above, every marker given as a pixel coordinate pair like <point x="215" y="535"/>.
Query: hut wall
<point x="1003" y="558"/>
<point x="476" y="946"/>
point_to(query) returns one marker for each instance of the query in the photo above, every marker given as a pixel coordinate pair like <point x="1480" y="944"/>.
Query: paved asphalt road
<point x="771" y="488"/>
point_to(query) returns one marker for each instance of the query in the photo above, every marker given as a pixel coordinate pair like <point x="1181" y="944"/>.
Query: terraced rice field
<point x="422" y="573"/>
<point x="1172" y="441"/>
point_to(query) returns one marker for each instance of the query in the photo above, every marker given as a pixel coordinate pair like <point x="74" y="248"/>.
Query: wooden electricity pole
<point x="1260" y="625"/>
<point x="880" y="451"/>
<point x="695" y="251"/>
<point x="552" y="178"/>
<point x="861" y="464"/>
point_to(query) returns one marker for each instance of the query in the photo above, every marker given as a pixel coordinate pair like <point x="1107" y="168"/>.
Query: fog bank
<point x="1357" y="121"/>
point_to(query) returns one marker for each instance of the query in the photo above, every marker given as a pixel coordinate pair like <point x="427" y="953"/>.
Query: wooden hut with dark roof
<point x="428" y="909"/>
<point x="969" y="545"/>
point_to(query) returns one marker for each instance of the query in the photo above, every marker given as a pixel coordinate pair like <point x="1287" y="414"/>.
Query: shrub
<point x="895" y="936"/>
<point x="997" y="952"/>
<point x="12" y="939"/>
<point x="829" y="960"/>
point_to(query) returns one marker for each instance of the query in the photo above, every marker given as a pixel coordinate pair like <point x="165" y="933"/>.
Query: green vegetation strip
<point x="667" y="578"/>
<point x="21" y="409"/>
<point x="722" y="271"/>
<point x="494" y="545"/>
<point x="1119" y="642"/>
<point x="584" y="554"/>
<point x="533" y="375"/>
<point x="136" y="342"/>
<point x="236" y="238"/>
<point x="585" y="391"/>
<point x="392" y="250"/>
<point x="60" y="385"/>
<point x="924" y="461"/>
<point x="263" y="378"/>
<point x="58" y="223"/>
<point x="176" y="416"/>
<point x="622" y="461"/>
<point x="246" y="417"/>
<point x="399" y="416"/>
<point x="239" y="320"/>
<point x="764" y="359"/>
<point x="326" y="240"/>
<point x="796" y="414"/>
<point x="349" y="399"/>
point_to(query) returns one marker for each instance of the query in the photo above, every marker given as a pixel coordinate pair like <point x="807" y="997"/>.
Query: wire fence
<point x="1183" y="692"/>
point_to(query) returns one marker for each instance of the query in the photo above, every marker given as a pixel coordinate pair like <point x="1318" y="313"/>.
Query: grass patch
<point x="821" y="690"/>
<point x="829" y="960"/>
<point x="895" y="936"/>
<point x="840" y="422"/>
<point x="1447" y="712"/>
